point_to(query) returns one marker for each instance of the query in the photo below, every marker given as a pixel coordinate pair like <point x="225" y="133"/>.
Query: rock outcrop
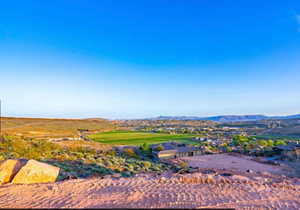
<point x="8" y="169"/>
<point x="36" y="172"/>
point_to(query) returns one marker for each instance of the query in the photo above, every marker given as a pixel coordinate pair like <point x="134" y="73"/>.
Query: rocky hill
<point x="52" y="128"/>
<point x="226" y="118"/>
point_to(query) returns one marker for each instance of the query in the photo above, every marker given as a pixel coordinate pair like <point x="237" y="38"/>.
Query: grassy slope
<point x="44" y="128"/>
<point x="138" y="138"/>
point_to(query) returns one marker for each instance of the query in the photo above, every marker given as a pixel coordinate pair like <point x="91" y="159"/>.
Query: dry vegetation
<point x="75" y="161"/>
<point x="52" y="128"/>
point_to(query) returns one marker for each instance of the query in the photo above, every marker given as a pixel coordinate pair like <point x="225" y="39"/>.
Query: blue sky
<point x="132" y="59"/>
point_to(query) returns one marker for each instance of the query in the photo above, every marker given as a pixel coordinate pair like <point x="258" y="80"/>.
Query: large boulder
<point x="8" y="169"/>
<point x="36" y="172"/>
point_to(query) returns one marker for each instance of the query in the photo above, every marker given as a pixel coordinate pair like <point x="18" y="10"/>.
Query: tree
<point x="145" y="148"/>
<point x="240" y="140"/>
<point x="279" y="142"/>
<point x="270" y="143"/>
<point x="263" y="143"/>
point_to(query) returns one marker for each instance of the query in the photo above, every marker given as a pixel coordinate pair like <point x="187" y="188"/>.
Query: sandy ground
<point x="255" y="190"/>
<point x="236" y="163"/>
<point x="145" y="191"/>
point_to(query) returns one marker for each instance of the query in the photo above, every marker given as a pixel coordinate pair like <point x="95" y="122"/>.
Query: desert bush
<point x="228" y="149"/>
<point x="263" y="143"/>
<point x="146" y="164"/>
<point x="111" y="152"/>
<point x="130" y="152"/>
<point x="279" y="142"/>
<point x="183" y="165"/>
<point x="77" y="162"/>
<point x="240" y="140"/>
<point x="270" y="143"/>
<point x="159" y="148"/>
<point x="145" y="148"/>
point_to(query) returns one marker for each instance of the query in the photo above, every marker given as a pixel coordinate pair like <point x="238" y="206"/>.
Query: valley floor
<point x="164" y="191"/>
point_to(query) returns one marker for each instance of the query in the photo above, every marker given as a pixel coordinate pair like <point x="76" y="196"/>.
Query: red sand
<point x="178" y="191"/>
<point x="236" y="163"/>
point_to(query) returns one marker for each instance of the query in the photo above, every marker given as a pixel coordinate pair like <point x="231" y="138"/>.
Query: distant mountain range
<point x="227" y="118"/>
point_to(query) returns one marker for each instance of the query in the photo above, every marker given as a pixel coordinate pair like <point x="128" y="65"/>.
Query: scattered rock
<point x="240" y="178"/>
<point x="265" y="173"/>
<point x="107" y="176"/>
<point x="36" y="172"/>
<point x="210" y="179"/>
<point x="8" y="169"/>
<point x="117" y="175"/>
<point x="70" y="176"/>
<point x="272" y="162"/>
<point x="126" y="174"/>
<point x="208" y="171"/>
<point x="192" y="170"/>
<point x="162" y="179"/>
<point x="260" y="179"/>
<point x="226" y="174"/>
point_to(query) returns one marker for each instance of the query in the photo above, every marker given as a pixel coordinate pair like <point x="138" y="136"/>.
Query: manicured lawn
<point x="138" y="138"/>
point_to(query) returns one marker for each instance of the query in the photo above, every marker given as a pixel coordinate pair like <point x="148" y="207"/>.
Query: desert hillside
<point x="52" y="128"/>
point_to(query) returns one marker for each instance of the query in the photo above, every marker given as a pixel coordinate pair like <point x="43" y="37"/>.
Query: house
<point x="203" y="139"/>
<point x="174" y="150"/>
<point x="188" y="151"/>
<point x="199" y="139"/>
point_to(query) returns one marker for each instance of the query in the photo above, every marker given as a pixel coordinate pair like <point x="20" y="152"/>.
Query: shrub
<point x="111" y="153"/>
<point x="240" y="140"/>
<point x="279" y="142"/>
<point x="270" y="143"/>
<point x="146" y="164"/>
<point x="228" y="149"/>
<point x="183" y="165"/>
<point x="263" y="143"/>
<point x="130" y="152"/>
<point x="75" y="161"/>
<point x="160" y="148"/>
<point x="145" y="148"/>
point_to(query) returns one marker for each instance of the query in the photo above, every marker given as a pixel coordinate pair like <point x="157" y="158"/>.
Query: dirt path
<point x="180" y="191"/>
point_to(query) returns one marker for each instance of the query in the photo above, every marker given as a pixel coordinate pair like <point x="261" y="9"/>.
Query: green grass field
<point x="138" y="138"/>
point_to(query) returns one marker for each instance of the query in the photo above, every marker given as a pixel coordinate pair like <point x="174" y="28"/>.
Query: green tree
<point x="279" y="142"/>
<point x="263" y="143"/>
<point x="240" y="140"/>
<point x="145" y="147"/>
<point x="270" y="143"/>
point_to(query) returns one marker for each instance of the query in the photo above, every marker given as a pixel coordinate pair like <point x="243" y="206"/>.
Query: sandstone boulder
<point x="8" y="169"/>
<point x="36" y="172"/>
<point x="117" y="175"/>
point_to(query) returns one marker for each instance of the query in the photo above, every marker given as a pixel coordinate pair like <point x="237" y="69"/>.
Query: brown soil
<point x="237" y="163"/>
<point x="145" y="191"/>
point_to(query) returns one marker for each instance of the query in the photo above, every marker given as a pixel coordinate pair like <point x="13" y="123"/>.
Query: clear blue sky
<point x="131" y="59"/>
